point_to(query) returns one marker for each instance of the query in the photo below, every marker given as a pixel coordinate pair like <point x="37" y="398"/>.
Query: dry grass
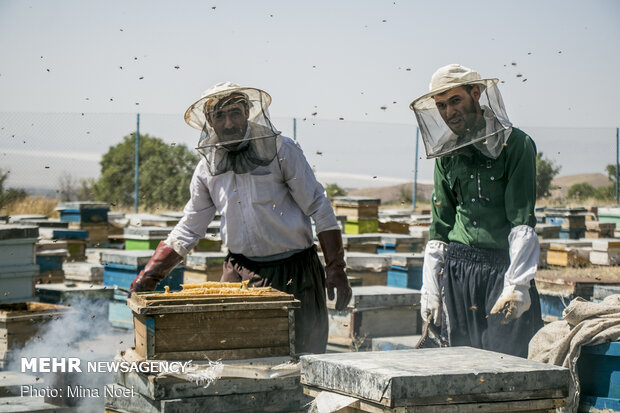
<point x="35" y="205"/>
<point x="41" y="205"/>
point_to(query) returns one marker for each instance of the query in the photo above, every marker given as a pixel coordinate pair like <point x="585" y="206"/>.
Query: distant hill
<point x="391" y="194"/>
<point x="563" y="183"/>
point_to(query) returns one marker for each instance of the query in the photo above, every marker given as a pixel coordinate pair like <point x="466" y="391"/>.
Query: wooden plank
<point x="219" y="326"/>
<point x="171" y="341"/>
<point x="213" y="307"/>
<point x="523" y="406"/>
<point x="179" y="320"/>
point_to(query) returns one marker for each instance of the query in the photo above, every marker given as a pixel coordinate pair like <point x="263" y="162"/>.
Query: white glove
<point x="523" y="250"/>
<point x="431" y="271"/>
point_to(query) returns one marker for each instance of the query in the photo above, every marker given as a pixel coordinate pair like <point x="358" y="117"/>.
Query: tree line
<point x="165" y="171"/>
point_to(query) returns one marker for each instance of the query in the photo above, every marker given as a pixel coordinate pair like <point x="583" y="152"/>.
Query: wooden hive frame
<point x="199" y="327"/>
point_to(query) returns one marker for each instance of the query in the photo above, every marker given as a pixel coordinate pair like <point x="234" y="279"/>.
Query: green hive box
<point x="141" y="244"/>
<point x="361" y="227"/>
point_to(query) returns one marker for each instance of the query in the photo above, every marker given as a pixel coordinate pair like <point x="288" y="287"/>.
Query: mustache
<point x="232" y="131"/>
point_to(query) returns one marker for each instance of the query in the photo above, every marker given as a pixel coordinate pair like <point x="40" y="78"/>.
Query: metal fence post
<point x="294" y="129"/>
<point x="415" y="175"/>
<point x="137" y="162"/>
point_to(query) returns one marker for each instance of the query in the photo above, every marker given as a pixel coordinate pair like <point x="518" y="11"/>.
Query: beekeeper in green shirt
<point x="480" y="261"/>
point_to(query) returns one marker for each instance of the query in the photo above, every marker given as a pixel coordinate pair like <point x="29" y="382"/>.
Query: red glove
<point x="163" y="261"/>
<point x="335" y="276"/>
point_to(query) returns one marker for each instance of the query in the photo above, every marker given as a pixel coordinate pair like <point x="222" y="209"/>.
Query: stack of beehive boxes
<point x="18" y="265"/>
<point x="87" y="216"/>
<point x="120" y="269"/>
<point x="362" y="213"/>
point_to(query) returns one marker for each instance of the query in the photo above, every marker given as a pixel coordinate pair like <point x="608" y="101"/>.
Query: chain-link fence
<point x="42" y="149"/>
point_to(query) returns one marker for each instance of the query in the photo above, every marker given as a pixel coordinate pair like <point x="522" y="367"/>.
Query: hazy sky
<point x="340" y="59"/>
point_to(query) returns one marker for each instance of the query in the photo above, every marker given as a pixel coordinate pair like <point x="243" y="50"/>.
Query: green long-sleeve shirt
<point x="478" y="200"/>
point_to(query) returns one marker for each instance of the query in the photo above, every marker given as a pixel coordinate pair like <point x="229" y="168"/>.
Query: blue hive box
<point x="406" y="270"/>
<point x="120" y="268"/>
<point x="599" y="377"/>
<point x="87" y="212"/>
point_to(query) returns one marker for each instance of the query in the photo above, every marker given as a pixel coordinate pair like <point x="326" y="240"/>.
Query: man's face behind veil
<point x="458" y="108"/>
<point x="230" y="121"/>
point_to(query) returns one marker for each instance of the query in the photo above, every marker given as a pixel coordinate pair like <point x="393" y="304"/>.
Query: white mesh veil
<point x="490" y="131"/>
<point x="237" y="134"/>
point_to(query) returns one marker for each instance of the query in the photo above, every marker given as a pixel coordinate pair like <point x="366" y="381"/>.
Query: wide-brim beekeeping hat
<point x="196" y="115"/>
<point x="446" y="78"/>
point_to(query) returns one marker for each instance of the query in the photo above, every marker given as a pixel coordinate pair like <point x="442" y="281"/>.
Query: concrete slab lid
<point x="566" y="244"/>
<point x="136" y="258"/>
<point x="23" y="217"/>
<point x="407" y="259"/>
<point x="147" y="231"/>
<point x="14" y="231"/>
<point x="383" y="296"/>
<point x="356" y="239"/>
<point x="426" y="373"/>
<point x="82" y="205"/>
<point x="68" y="287"/>
<point x="609" y="211"/>
<point x="205" y="257"/>
<point x="356" y="201"/>
<point x="604" y="244"/>
<point x="400" y="239"/>
<point x="172" y="214"/>
<point x="82" y="268"/>
<point x="360" y="261"/>
<point x="395" y="213"/>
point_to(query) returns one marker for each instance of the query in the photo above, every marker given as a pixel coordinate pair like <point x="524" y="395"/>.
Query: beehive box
<point x="598" y="229"/>
<point x="97" y="232"/>
<point x="375" y="311"/>
<point x="453" y="379"/>
<point x="87" y="212"/>
<point x="210" y="243"/>
<point x="371" y="268"/>
<point x="50" y="260"/>
<point x="394" y="226"/>
<point x="402" y="243"/>
<point x="144" y="238"/>
<point x="605" y="251"/>
<point x="366" y="243"/>
<point x="599" y="377"/>
<point x="361" y="226"/>
<point x="199" y="327"/>
<point x="257" y="385"/>
<point x="556" y="291"/>
<point x="120" y="269"/>
<point x="83" y="272"/>
<point x="547" y="231"/>
<point x="203" y="266"/>
<point x="406" y="270"/>
<point x="48" y="277"/>
<point x="59" y="293"/>
<point x="19" y="322"/>
<point x="17" y="282"/>
<point x="17" y="245"/>
<point x="357" y="208"/>
<point x="569" y="253"/>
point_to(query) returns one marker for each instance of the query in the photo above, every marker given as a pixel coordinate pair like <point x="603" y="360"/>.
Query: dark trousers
<point x="301" y="275"/>
<point x="473" y="279"/>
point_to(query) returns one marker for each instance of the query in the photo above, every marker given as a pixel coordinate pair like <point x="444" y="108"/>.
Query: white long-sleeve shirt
<point x="265" y="212"/>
